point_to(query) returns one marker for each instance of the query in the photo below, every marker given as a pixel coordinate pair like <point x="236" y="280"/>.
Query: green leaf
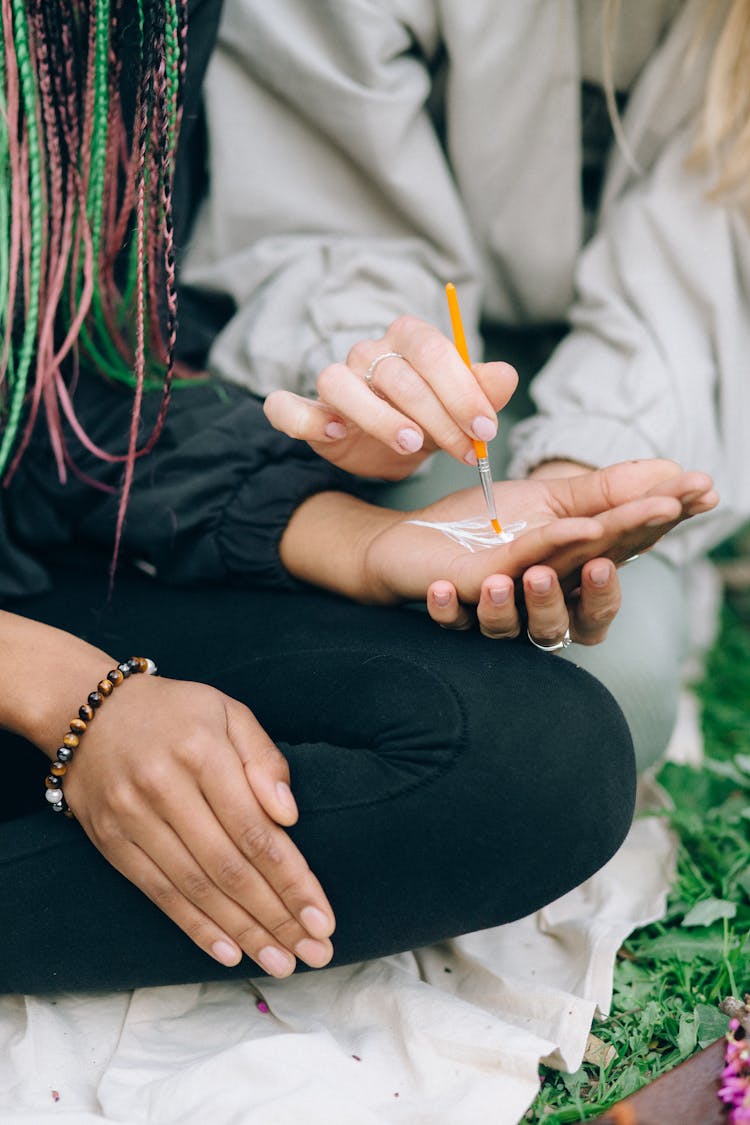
<point x="687" y="1034"/>
<point x="708" y="911"/>
<point x="732" y="811"/>
<point x="651" y="1015"/>
<point x="743" y="881"/>
<point x="694" y="790"/>
<point x="685" y="945"/>
<point x="727" y="770"/>
<point x="573" y="1082"/>
<point x="629" y="1080"/>
<point x="712" y="1024"/>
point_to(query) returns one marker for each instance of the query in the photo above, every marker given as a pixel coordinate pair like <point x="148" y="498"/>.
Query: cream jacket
<point x="335" y="206"/>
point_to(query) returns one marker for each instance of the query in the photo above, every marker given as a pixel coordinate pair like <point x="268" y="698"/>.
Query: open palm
<point x="613" y="512"/>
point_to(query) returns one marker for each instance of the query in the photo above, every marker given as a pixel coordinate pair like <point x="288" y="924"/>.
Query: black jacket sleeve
<point x="209" y="503"/>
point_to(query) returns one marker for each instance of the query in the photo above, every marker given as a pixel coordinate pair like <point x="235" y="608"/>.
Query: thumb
<point x="265" y="767"/>
<point x="589" y="494"/>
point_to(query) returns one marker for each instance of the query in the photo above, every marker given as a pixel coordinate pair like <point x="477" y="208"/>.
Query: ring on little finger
<point x="629" y="560"/>
<point x="369" y="373"/>
<point x="566" y="642"/>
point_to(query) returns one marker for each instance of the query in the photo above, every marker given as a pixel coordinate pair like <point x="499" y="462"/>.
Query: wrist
<point x="79" y="725"/>
<point x="328" y="543"/>
<point x="46" y="674"/>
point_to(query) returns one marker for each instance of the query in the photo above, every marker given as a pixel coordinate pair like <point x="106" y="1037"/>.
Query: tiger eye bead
<point x="79" y="725"/>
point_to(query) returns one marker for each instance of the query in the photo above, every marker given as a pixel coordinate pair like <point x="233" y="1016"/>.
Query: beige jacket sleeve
<point x="658" y="359"/>
<point x="340" y="212"/>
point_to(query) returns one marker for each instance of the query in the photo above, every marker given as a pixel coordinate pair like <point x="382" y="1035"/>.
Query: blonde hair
<point x="724" y="129"/>
<point x="723" y="133"/>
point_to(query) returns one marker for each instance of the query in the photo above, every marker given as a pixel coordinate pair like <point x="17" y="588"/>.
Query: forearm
<point x="45" y="674"/>
<point x="326" y="543"/>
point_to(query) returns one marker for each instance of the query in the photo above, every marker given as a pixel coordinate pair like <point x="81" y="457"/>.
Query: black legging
<point x="446" y="783"/>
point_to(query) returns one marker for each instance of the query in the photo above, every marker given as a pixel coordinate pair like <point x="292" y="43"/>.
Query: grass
<point x="671" y="975"/>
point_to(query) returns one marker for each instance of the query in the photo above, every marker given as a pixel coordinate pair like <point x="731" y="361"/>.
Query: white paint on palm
<point x="474" y="534"/>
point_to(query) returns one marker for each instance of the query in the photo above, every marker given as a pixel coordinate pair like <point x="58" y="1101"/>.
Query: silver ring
<point x="630" y="560"/>
<point x="371" y="369"/>
<point x="566" y="642"/>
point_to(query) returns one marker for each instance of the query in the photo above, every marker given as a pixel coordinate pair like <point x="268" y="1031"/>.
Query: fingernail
<point x="284" y="793"/>
<point x="275" y="962"/>
<point x="599" y="574"/>
<point x="226" y="953"/>
<point x="542" y="584"/>
<point x="409" y="440"/>
<point x="315" y="921"/>
<point x="336" y="430"/>
<point x="441" y="597"/>
<point x="470" y="458"/>
<point x="484" y="428"/>
<point x="313" y="953"/>
<point x="499" y="594"/>
<point x="660" y="521"/>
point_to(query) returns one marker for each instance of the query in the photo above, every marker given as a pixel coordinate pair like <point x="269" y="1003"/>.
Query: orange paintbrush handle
<point x="459" y="339"/>
<point x="480" y="447"/>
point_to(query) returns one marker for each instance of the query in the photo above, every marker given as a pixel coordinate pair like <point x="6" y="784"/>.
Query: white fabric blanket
<point x="447" y="1035"/>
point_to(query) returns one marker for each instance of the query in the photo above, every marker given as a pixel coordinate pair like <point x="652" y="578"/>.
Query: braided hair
<point x="87" y="264"/>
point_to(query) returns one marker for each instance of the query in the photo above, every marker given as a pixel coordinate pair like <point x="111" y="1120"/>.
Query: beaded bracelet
<point x="78" y="727"/>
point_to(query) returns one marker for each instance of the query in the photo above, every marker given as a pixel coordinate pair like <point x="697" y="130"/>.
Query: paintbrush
<point x="480" y="447"/>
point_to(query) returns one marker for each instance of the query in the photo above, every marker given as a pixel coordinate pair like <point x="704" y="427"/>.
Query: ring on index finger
<point x="369" y="373"/>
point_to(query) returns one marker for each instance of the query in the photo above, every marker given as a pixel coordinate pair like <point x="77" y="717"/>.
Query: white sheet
<point x="448" y="1035"/>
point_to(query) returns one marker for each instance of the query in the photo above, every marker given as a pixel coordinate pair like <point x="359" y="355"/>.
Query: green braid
<point x="99" y="347"/>
<point x="5" y="328"/>
<point x="26" y="350"/>
<point x="99" y="131"/>
<point x="98" y="343"/>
